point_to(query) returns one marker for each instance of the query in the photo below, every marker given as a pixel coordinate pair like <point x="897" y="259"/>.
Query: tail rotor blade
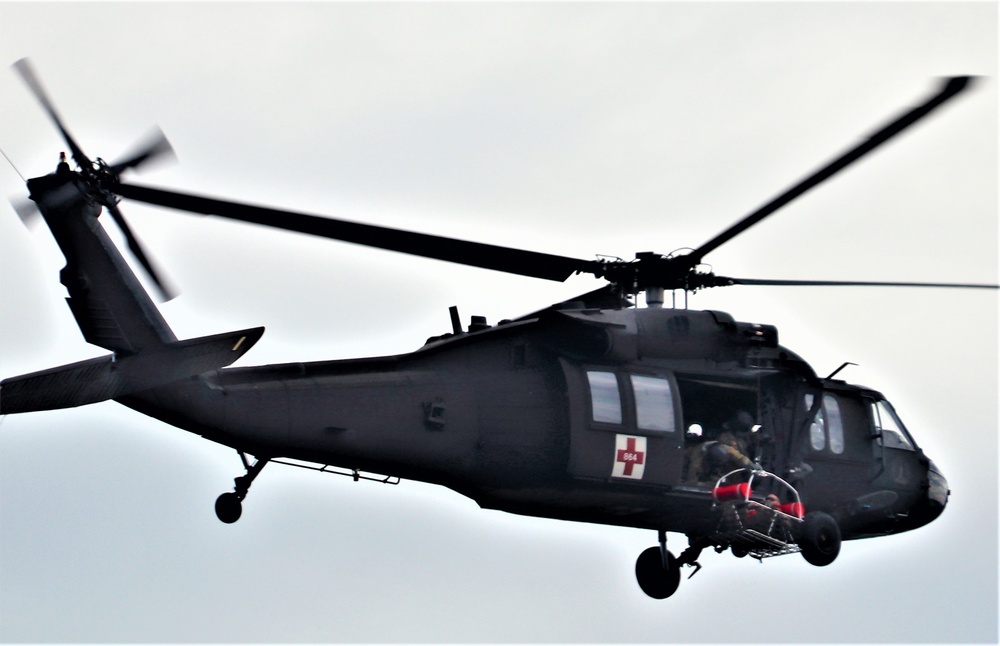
<point x="26" y="210"/>
<point x="166" y="292"/>
<point x="153" y="147"/>
<point x="23" y="67"/>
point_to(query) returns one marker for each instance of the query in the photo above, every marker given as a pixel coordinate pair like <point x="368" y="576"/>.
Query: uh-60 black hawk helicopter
<point x="590" y="410"/>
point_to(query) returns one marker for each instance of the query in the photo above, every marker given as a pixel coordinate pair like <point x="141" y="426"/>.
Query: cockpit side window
<point x="817" y="430"/>
<point x="834" y="423"/>
<point x="827" y="427"/>
<point x="888" y="429"/>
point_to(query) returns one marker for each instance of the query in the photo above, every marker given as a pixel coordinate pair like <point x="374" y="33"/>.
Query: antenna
<point x="4" y="153"/>
<point x="842" y="366"/>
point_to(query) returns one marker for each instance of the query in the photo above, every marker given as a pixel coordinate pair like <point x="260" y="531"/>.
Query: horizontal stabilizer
<point x="113" y="376"/>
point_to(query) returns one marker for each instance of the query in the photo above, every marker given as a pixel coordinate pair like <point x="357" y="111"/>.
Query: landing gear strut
<point x="229" y="506"/>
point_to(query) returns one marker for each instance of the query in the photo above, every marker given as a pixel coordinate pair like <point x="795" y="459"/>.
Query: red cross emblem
<point x="630" y="457"/>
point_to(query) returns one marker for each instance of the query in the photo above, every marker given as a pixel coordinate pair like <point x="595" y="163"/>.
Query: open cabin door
<point x="624" y="424"/>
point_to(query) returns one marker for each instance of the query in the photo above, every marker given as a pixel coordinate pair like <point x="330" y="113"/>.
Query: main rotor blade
<point x="136" y="248"/>
<point x="949" y="89"/>
<point x="848" y="283"/>
<point x="27" y="73"/>
<point x="474" y="254"/>
<point x="152" y="147"/>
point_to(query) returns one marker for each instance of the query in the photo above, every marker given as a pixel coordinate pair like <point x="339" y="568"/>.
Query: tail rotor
<point x="101" y="177"/>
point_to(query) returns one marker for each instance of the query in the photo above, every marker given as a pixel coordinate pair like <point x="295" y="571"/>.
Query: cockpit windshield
<point x="890" y="431"/>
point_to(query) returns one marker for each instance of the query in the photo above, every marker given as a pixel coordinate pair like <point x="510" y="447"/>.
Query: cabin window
<point x="605" y="399"/>
<point x="827" y="428"/>
<point x="654" y="403"/>
<point x="890" y="431"/>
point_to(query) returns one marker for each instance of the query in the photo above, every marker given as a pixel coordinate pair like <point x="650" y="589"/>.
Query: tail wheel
<point x="228" y="508"/>
<point x="657" y="579"/>
<point x="820" y="540"/>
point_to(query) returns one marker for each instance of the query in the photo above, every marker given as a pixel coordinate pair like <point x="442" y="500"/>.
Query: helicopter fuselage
<point x="516" y="417"/>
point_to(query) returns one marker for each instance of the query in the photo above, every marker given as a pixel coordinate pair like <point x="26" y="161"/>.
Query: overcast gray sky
<point x="575" y="129"/>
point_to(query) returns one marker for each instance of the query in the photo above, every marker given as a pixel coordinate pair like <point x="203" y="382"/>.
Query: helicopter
<point x="591" y="410"/>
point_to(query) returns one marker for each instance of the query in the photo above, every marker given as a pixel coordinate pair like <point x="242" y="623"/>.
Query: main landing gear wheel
<point x="657" y="576"/>
<point x="229" y="506"/>
<point x="820" y="540"/>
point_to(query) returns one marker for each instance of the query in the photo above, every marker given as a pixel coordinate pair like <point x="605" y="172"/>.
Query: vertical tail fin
<point x="109" y="303"/>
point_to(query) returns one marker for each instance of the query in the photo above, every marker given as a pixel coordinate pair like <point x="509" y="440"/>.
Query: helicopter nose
<point x="937" y="496"/>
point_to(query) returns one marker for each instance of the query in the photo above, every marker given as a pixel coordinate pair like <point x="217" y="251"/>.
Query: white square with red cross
<point x="630" y="457"/>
